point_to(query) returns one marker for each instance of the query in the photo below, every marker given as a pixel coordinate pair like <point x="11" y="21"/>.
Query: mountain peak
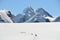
<point x="28" y="9"/>
<point x="4" y="11"/>
<point x="40" y="9"/>
<point x="42" y="12"/>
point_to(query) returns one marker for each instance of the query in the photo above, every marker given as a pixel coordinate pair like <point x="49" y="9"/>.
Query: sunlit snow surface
<point x="39" y="31"/>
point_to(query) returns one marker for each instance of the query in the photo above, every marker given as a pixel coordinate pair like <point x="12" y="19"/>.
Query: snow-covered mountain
<point x="43" y="13"/>
<point x="29" y="12"/>
<point x="19" y="18"/>
<point x="28" y="15"/>
<point x="6" y="16"/>
<point x="57" y="19"/>
<point x="39" y="16"/>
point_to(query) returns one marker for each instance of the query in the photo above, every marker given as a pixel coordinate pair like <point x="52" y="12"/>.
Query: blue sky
<point x="17" y="6"/>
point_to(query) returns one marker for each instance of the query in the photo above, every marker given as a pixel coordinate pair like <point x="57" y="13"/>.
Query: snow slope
<point x="4" y="16"/>
<point x="51" y="19"/>
<point x="29" y="31"/>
